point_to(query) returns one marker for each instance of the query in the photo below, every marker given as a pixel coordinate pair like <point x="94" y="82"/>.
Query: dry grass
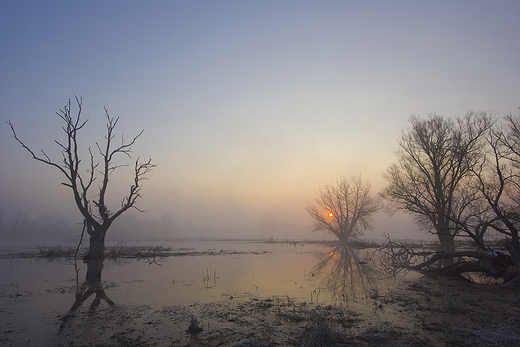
<point x="319" y="334"/>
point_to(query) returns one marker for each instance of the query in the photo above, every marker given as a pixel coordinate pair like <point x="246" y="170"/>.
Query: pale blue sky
<point x="248" y="106"/>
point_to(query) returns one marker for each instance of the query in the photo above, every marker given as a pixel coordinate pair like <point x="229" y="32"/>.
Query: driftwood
<point x="398" y="257"/>
<point x="492" y="263"/>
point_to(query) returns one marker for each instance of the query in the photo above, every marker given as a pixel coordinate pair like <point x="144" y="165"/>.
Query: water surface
<point x="36" y="293"/>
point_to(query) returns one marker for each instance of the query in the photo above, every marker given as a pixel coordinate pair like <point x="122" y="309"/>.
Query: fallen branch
<point x="397" y="257"/>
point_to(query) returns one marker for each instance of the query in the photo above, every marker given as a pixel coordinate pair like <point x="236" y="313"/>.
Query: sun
<point x="330" y="214"/>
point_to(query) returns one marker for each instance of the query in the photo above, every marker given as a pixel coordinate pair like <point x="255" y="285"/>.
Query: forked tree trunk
<point x="91" y="286"/>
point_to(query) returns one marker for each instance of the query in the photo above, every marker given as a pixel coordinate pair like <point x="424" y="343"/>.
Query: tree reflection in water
<point x="91" y="286"/>
<point x="348" y="276"/>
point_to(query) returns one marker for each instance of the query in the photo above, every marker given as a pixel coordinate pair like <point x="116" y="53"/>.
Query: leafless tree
<point x="499" y="180"/>
<point x="93" y="208"/>
<point x="432" y="174"/>
<point x="462" y="178"/>
<point x="344" y="208"/>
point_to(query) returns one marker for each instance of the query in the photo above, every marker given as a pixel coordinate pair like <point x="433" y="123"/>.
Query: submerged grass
<point x="56" y="252"/>
<point x="121" y="251"/>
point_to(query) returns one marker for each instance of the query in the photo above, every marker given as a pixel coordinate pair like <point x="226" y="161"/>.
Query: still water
<point x="36" y="293"/>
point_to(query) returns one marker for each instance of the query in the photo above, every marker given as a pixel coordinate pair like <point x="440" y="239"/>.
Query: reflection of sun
<point x="330" y="215"/>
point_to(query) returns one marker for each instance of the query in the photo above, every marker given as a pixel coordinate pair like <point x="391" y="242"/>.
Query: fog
<point x="248" y="107"/>
<point x="38" y="207"/>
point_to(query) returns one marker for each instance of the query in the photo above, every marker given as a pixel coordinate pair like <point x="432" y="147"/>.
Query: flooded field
<point x="222" y="293"/>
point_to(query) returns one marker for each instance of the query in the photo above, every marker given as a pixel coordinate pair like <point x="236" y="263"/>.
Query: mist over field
<point x="53" y="228"/>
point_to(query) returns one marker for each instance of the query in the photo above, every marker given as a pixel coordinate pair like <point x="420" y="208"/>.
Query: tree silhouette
<point x="94" y="210"/>
<point x="344" y="208"/>
<point x="432" y="174"/>
<point x="498" y="180"/>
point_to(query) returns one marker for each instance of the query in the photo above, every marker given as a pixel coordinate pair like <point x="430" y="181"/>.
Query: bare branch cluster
<point x="399" y="257"/>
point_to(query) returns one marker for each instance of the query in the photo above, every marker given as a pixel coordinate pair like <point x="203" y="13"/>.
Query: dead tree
<point x="94" y="210"/>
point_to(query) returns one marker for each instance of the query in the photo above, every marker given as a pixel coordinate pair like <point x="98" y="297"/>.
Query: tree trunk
<point x="447" y="241"/>
<point x="91" y="286"/>
<point x="514" y="248"/>
<point x="343" y="238"/>
<point x="97" y="244"/>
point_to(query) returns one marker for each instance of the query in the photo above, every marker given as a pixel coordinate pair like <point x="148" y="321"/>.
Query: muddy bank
<point x="421" y="312"/>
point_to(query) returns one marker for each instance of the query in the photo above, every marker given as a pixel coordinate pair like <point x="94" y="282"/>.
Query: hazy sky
<point x="248" y="106"/>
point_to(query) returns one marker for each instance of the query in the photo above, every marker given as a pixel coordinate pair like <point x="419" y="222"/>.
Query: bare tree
<point x="431" y="178"/>
<point x="499" y="181"/>
<point x="97" y="216"/>
<point x="485" y="198"/>
<point x="344" y="208"/>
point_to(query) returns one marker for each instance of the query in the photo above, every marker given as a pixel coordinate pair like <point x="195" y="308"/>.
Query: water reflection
<point x="91" y="286"/>
<point x="346" y="273"/>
